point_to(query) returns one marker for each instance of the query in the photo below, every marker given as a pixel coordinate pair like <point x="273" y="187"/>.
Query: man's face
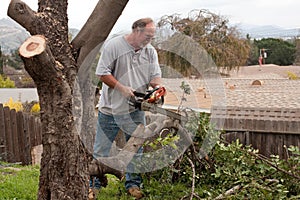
<point x="145" y="35"/>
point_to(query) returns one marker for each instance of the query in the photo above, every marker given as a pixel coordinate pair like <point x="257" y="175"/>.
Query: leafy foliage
<point x="292" y="76"/>
<point x="297" y="53"/>
<point x="14" y="60"/>
<point x="279" y="52"/>
<point x="35" y="108"/>
<point x="17" y="105"/>
<point x="231" y="171"/>
<point x="1" y="62"/>
<point x="5" y="82"/>
<point x="222" y="42"/>
<point x="236" y="174"/>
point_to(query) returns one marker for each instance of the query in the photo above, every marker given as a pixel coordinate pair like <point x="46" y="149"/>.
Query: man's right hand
<point x="114" y="83"/>
<point x="125" y="90"/>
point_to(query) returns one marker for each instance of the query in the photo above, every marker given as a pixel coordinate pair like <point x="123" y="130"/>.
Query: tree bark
<point x="95" y="31"/>
<point x="53" y="63"/>
<point x="64" y="165"/>
<point x="86" y="46"/>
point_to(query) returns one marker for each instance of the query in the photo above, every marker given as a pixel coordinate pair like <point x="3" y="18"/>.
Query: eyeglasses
<point x="149" y="37"/>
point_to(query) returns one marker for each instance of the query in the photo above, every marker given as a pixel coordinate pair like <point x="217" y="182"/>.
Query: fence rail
<point x="19" y="133"/>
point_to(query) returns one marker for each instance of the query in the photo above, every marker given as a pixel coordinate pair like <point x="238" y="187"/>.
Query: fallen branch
<point x="193" y="194"/>
<point x="229" y="192"/>
<point x="266" y="160"/>
<point x="116" y="165"/>
<point x="273" y="165"/>
<point x="193" y="178"/>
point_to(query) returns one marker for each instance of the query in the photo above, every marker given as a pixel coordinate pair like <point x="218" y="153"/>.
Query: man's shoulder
<point x="117" y="43"/>
<point x="115" y="39"/>
<point x="149" y="48"/>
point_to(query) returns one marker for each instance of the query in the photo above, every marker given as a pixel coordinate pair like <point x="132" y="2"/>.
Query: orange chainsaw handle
<point x="159" y="93"/>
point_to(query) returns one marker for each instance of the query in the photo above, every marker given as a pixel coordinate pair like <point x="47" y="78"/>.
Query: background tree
<point x="1" y="62"/>
<point x="279" y="51"/>
<point x="213" y="33"/>
<point x="14" y="60"/>
<point x="253" y="53"/>
<point x="54" y="64"/>
<point x="297" y="54"/>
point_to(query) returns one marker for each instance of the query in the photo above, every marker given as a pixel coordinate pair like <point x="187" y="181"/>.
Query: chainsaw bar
<point x="145" y="106"/>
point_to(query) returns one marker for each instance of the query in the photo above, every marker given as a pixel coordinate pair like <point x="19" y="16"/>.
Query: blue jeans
<point x="108" y="127"/>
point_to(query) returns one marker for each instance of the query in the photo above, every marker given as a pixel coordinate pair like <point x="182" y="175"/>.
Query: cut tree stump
<point x="33" y="46"/>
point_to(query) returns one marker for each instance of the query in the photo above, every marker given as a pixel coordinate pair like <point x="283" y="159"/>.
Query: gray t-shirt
<point x="130" y="68"/>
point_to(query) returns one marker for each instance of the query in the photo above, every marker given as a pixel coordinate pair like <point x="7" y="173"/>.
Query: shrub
<point x="35" y="108"/>
<point x="17" y="105"/>
<point x="5" y="82"/>
<point x="292" y="76"/>
<point x="232" y="171"/>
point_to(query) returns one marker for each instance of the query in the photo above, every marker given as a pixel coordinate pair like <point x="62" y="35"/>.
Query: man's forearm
<point x="109" y="80"/>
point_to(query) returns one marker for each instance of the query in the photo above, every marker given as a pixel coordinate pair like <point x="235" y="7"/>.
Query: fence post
<point x="32" y="132"/>
<point x="21" y="138"/>
<point x="27" y="139"/>
<point x="39" y="131"/>
<point x="2" y="135"/>
<point x="8" y="135"/>
<point x="14" y="134"/>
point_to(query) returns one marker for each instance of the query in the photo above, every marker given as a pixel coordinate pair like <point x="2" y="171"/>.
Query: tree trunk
<point x="53" y="63"/>
<point x="297" y="55"/>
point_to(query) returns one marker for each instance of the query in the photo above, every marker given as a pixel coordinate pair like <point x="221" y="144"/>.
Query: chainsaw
<point x="152" y="101"/>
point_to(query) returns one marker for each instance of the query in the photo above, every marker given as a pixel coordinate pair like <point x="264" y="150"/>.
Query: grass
<point x="18" y="182"/>
<point x="21" y="183"/>
<point x="152" y="190"/>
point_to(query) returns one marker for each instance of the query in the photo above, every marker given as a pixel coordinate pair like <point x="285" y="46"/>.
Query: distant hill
<point x="268" y="31"/>
<point x="12" y="35"/>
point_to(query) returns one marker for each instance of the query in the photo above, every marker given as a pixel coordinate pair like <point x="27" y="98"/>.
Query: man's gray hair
<point x="141" y="23"/>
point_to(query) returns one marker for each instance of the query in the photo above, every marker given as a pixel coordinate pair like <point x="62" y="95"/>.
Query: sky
<point x="282" y="13"/>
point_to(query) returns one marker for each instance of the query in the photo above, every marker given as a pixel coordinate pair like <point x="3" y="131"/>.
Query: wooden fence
<point x="267" y="143"/>
<point x="19" y="133"/>
<point x="270" y="130"/>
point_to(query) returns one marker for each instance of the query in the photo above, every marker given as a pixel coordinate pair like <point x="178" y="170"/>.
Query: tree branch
<point x="97" y="27"/>
<point x="193" y="178"/>
<point x="229" y="192"/>
<point x="35" y="51"/>
<point x="267" y="161"/>
<point x="273" y="165"/>
<point x="117" y="165"/>
<point x="23" y="14"/>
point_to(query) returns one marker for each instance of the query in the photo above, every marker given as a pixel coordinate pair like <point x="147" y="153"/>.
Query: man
<point x="128" y="63"/>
